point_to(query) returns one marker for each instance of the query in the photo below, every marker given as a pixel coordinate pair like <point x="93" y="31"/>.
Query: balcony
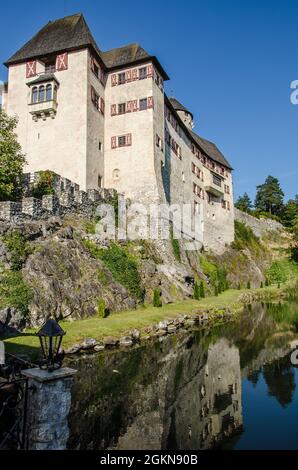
<point x="215" y="186"/>
<point x="43" y="109"/>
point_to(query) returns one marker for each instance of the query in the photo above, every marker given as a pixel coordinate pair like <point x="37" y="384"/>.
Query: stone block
<point x="9" y="210"/>
<point x="32" y="206"/>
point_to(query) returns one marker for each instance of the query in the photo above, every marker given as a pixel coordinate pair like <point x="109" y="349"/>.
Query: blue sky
<point x="231" y="63"/>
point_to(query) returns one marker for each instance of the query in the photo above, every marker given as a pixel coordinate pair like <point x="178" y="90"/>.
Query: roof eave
<point x="142" y="60"/>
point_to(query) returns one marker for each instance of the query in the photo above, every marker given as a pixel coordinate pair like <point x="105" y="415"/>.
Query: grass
<point x="118" y="324"/>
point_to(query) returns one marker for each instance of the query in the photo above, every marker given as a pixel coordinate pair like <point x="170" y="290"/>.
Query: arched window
<point x="34" y="95"/>
<point x="41" y="93"/>
<point x="49" y="92"/>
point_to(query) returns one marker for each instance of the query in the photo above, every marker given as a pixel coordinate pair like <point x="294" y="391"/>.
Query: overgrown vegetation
<point x="102" y="312"/>
<point x="175" y="245"/>
<point x="122" y="266"/>
<point x="18" y="247"/>
<point x="196" y="291"/>
<point x="44" y="184"/>
<point x="217" y="276"/>
<point x="14" y="292"/>
<point x="276" y="273"/>
<point x="244" y="237"/>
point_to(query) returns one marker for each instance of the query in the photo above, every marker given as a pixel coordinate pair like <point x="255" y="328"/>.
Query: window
<point x="143" y="104"/>
<point x="183" y="177"/>
<point x="95" y="98"/>
<point x="41" y="93"/>
<point x="95" y="68"/>
<point x="193" y="168"/>
<point x="142" y="73"/>
<point x="49" y="92"/>
<point x="121" y="78"/>
<point x="217" y="180"/>
<point x="50" y="65"/>
<point x="122" y="141"/>
<point x="99" y="146"/>
<point x="121" y="108"/>
<point x="34" y="95"/>
<point x="116" y="175"/>
<point x="99" y="181"/>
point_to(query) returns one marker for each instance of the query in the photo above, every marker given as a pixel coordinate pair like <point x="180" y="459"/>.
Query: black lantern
<point x="50" y="337"/>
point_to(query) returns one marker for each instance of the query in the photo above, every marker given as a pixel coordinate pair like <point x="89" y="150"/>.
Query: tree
<point x="157" y="298"/>
<point x="12" y="160"/>
<point x="244" y="203"/>
<point x="269" y="196"/>
<point x="202" y="290"/>
<point x="196" y="291"/>
<point x="290" y="212"/>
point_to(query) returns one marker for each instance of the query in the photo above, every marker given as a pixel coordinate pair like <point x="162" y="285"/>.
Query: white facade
<point x="115" y="128"/>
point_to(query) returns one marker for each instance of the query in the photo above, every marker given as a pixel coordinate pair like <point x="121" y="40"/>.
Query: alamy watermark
<point x="136" y="221"/>
<point x="294" y="94"/>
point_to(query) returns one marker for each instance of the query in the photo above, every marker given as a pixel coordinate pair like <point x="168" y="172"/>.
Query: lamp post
<point x="50" y="337"/>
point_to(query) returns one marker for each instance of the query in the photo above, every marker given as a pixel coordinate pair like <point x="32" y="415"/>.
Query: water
<point x="232" y="387"/>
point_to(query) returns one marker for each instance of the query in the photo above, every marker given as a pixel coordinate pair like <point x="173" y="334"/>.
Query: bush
<point x="202" y="290"/>
<point x="122" y="266"/>
<point x="18" y="247"/>
<point x="14" y="292"/>
<point x="157" y="298"/>
<point x="262" y="285"/>
<point x="248" y="285"/>
<point x="196" y="291"/>
<point x="43" y="185"/>
<point x="276" y="273"/>
<point x="102" y="312"/>
<point x="217" y="275"/>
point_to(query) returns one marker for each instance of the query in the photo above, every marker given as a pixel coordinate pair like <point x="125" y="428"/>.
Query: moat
<point x="231" y="387"/>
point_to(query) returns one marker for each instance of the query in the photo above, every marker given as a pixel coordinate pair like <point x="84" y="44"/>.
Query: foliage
<point x="157" y="298"/>
<point x="244" y="237"/>
<point x="18" y="247"/>
<point x="175" y="245"/>
<point x="43" y="185"/>
<point x="276" y="273"/>
<point x="12" y="160"/>
<point x="196" y="291"/>
<point x="217" y="275"/>
<point x="269" y="197"/>
<point x="290" y="212"/>
<point x="248" y="286"/>
<point x="122" y="266"/>
<point x="202" y="290"/>
<point x="244" y="203"/>
<point x="14" y="292"/>
<point x="102" y="312"/>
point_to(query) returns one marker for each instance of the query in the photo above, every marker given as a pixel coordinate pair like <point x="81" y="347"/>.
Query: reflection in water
<point x="185" y="392"/>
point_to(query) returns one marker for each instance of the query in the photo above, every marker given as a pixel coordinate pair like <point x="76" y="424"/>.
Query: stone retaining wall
<point x="258" y="226"/>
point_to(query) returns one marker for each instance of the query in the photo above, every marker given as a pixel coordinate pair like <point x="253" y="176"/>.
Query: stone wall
<point x="67" y="198"/>
<point x="258" y="226"/>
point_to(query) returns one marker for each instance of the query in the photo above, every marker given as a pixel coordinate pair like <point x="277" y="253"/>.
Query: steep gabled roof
<point x="178" y="106"/>
<point x="211" y="150"/>
<point x="124" y="55"/>
<point x="64" y="34"/>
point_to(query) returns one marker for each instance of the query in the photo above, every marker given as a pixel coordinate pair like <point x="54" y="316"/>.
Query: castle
<point x="103" y="120"/>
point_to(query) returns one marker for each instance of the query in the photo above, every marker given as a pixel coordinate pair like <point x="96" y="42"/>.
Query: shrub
<point x="267" y="282"/>
<point x="157" y="298"/>
<point x="217" y="275"/>
<point x="248" y="285"/>
<point x="196" y="291"/>
<point x="244" y="237"/>
<point x="102" y="312"/>
<point x="14" y="292"/>
<point x="18" y="247"/>
<point x="262" y="285"/>
<point x="202" y="290"/>
<point x="43" y="185"/>
<point x="276" y="273"/>
<point x="122" y="266"/>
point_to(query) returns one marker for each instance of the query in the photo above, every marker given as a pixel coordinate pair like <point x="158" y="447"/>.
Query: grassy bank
<point x="117" y="324"/>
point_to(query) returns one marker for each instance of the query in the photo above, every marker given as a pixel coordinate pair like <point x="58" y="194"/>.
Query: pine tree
<point x="157" y="298"/>
<point x="244" y="203"/>
<point x="269" y="196"/>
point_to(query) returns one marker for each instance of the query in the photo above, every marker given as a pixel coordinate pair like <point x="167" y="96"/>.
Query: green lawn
<point x="120" y="323"/>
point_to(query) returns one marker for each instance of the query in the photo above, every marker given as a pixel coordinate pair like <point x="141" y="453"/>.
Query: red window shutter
<point x="150" y="71"/>
<point x="31" y="69"/>
<point x="114" y="142"/>
<point x="135" y="105"/>
<point x="128" y="76"/>
<point x="128" y="139"/>
<point x="150" y="102"/>
<point x="113" y="110"/>
<point x="102" y="106"/>
<point x="114" y="79"/>
<point x="134" y="74"/>
<point x="62" y="61"/>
